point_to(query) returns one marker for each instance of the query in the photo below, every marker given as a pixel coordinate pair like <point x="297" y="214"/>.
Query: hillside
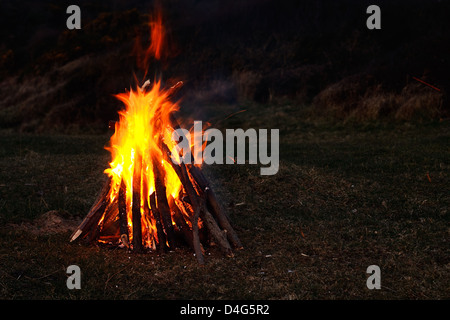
<point x="311" y="53"/>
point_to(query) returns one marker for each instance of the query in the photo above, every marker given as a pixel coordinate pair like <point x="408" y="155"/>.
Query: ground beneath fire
<point x="345" y="198"/>
<point x="51" y="222"/>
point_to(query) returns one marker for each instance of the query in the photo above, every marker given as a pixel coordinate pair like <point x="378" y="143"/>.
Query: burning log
<point x="202" y="182"/>
<point x="95" y="213"/>
<point x="136" y="207"/>
<point x="181" y="223"/>
<point x="169" y="201"/>
<point x="123" y="223"/>
<point x="162" y="204"/>
<point x="157" y="217"/>
<point x="193" y="200"/>
<point x="196" y="237"/>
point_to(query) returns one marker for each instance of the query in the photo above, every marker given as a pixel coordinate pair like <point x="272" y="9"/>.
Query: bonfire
<point x="151" y="201"/>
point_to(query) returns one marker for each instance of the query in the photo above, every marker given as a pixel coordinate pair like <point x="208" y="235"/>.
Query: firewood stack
<point x="195" y="217"/>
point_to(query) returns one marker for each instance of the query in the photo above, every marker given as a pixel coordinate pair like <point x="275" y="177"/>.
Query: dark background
<point x="318" y="54"/>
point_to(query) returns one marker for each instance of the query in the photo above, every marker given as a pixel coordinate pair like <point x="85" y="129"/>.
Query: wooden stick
<point x="203" y="183"/>
<point x="215" y="231"/>
<point x="161" y="200"/>
<point x="222" y="218"/>
<point x="181" y="171"/>
<point x="95" y="213"/>
<point x="198" y="248"/>
<point x="123" y="220"/>
<point x="201" y="180"/>
<point x="180" y="222"/>
<point x="167" y="157"/>
<point x="107" y="226"/>
<point x="188" y="187"/>
<point x="136" y="206"/>
<point x="196" y="237"/>
<point x="195" y="204"/>
<point x="175" y="87"/>
<point x="217" y="209"/>
<point x="161" y="246"/>
<point x="147" y="214"/>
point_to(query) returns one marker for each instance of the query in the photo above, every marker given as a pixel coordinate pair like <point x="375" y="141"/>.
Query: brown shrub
<point x="359" y="98"/>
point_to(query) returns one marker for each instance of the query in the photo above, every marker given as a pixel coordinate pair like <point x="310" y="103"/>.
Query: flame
<point x="138" y="158"/>
<point x="136" y="151"/>
<point x="157" y="36"/>
<point x="157" y="43"/>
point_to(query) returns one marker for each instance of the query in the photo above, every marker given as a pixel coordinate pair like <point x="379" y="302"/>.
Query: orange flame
<point x="136" y="148"/>
<point x="157" y="35"/>
<point x="157" y="43"/>
<point x="138" y="158"/>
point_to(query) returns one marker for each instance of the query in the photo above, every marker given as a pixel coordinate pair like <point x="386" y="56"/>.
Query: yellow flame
<point x="143" y="124"/>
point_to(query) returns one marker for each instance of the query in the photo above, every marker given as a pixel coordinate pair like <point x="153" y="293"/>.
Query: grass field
<point x="345" y="197"/>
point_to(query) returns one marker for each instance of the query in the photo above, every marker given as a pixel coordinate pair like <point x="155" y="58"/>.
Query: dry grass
<point x="357" y="99"/>
<point x="344" y="198"/>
